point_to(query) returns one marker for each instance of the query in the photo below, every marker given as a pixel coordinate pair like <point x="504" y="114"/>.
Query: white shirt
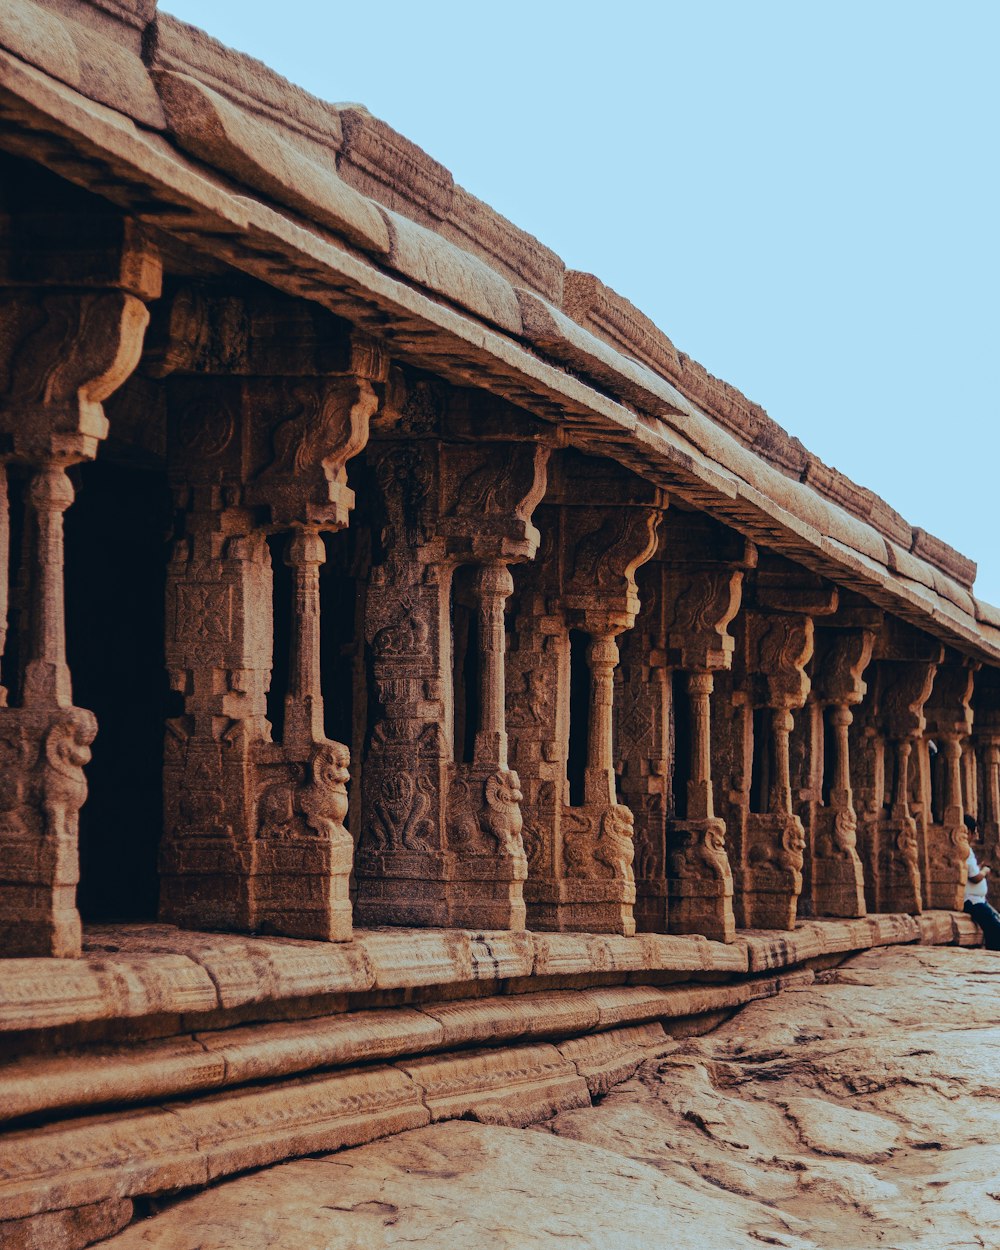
<point x="975" y="892"/>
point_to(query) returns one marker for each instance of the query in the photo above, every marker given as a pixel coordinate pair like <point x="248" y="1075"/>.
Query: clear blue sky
<point x="802" y="195"/>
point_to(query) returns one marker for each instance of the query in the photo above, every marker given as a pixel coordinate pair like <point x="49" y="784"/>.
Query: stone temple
<point x="421" y="682"/>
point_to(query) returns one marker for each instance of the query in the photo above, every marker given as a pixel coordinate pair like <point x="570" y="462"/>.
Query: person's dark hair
<point x="971" y="823"/>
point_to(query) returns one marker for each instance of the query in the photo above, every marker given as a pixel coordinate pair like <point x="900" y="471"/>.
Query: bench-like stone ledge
<point x="134" y="971"/>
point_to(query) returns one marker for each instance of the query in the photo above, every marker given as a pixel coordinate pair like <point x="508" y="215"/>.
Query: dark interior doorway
<point x="116" y="548"/>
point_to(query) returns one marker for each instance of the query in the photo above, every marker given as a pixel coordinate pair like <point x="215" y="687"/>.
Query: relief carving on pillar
<point x="702" y="603"/>
<point x="601" y="849"/>
<point x="782" y="647"/>
<point x="63" y="786"/>
<point x="837" y="838"/>
<point x="400" y="814"/>
<point x="43" y="786"/>
<point x="321" y="423"/>
<point x="61" y="356"/>
<point x="699" y="854"/>
<point x="313" y="806"/>
<point x="485" y="818"/>
<point x="603" y="549"/>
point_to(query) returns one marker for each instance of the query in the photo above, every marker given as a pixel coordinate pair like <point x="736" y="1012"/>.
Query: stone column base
<point x="42" y="788"/>
<point x="947" y="855"/>
<point x="578" y="906"/>
<point x="440" y="890"/>
<point x="896" y="884"/>
<point x="838" y="883"/>
<point x="700" y="882"/>
<point x="767" y="887"/>
<point x="301" y="888"/>
<point x="205" y="883"/>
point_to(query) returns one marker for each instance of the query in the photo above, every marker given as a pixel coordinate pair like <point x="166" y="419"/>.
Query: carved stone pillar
<point x="484" y="795"/>
<point x="700" y="880"/>
<point x="771" y="682"/>
<point x="986" y="749"/>
<point x="835" y="876"/>
<point x="261" y="426"/>
<point x="643" y="752"/>
<point x="989" y="798"/>
<point x="949" y="723"/>
<point x="67" y="341"/>
<point x="441" y="833"/>
<point x="884" y="747"/>
<point x="767" y="869"/>
<point x="578" y="835"/>
<point x="4" y="576"/>
<point x="702" y="601"/>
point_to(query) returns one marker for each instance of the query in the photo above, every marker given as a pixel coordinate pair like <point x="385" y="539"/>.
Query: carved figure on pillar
<point x="441" y="833"/>
<point x="68" y="340"/>
<point x="258" y="444"/>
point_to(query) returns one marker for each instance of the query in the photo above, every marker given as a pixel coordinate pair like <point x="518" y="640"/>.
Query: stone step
<point x="185" y="1109"/>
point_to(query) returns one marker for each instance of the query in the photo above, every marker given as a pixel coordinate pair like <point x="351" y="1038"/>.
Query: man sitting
<point x="987" y="917"/>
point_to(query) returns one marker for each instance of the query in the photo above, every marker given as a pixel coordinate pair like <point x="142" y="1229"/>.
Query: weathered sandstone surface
<point x="859" y="1111"/>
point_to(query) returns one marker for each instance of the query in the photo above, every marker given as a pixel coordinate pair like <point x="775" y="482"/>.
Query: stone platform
<point x="858" y="1110"/>
<point x="165" y="1060"/>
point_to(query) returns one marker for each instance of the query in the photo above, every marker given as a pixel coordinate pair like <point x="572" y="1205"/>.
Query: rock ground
<point x="862" y="1111"/>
